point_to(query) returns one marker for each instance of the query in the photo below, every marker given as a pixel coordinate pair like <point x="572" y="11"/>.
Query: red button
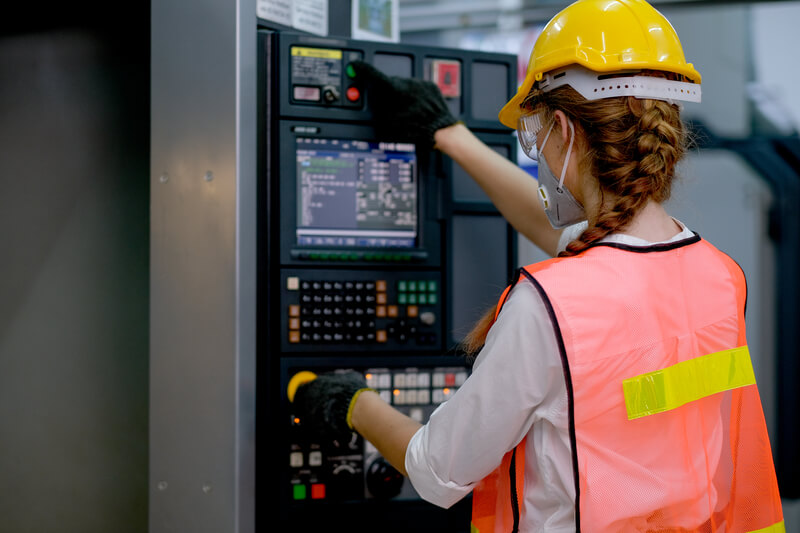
<point x="353" y="94"/>
<point x="318" y="491"/>
<point x="450" y="380"/>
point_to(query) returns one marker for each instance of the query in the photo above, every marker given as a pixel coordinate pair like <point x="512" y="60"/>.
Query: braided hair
<point x="632" y="147"/>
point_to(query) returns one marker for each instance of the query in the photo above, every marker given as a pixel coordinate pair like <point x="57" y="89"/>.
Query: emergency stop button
<point x="353" y="94"/>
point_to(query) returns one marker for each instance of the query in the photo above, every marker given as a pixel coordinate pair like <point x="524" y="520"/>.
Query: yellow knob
<point x="298" y="379"/>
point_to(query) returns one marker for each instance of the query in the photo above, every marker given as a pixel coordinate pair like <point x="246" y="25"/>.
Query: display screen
<point x="356" y="193"/>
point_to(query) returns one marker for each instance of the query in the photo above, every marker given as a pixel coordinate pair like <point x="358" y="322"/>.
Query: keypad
<point x="416" y="387"/>
<point x="352" y="311"/>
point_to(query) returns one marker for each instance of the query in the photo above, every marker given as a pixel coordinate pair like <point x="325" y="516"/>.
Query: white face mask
<point x="561" y="208"/>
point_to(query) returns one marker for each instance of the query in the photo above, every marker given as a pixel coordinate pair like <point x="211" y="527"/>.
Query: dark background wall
<point x="74" y="241"/>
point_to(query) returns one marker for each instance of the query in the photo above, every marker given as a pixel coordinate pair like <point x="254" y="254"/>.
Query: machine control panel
<point x="324" y="77"/>
<point x="362" y="239"/>
<point x="355" y="470"/>
<point x="357" y="310"/>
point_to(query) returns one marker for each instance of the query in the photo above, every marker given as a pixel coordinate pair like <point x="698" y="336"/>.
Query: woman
<point x="613" y="389"/>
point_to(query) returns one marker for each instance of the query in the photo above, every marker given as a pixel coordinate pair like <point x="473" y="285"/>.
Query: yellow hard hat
<point x="603" y="36"/>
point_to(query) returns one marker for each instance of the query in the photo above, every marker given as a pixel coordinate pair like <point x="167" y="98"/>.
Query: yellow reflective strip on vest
<point x="473" y="529"/>
<point x="780" y="527"/>
<point x="679" y="384"/>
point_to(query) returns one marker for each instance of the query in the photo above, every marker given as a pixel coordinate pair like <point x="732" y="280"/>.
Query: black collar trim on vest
<point x="570" y="399"/>
<point x="664" y="247"/>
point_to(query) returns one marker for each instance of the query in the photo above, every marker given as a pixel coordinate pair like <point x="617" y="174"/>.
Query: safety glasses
<point x="528" y="127"/>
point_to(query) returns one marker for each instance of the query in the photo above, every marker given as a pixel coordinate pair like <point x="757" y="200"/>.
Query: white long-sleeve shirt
<point x="517" y="388"/>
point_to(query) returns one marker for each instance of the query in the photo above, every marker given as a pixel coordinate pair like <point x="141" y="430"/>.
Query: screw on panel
<point x="164" y="178"/>
<point x="162" y="485"/>
<point x="209" y="176"/>
<point x="206" y="488"/>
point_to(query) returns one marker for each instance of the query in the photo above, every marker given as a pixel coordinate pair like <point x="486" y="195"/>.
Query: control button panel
<point x="348" y="256"/>
<point x="348" y="310"/>
<point x="324" y="77"/>
<point x="355" y="470"/>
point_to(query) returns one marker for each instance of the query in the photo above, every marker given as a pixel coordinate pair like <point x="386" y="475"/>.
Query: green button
<point x="354" y="257"/>
<point x="432" y="287"/>
<point x="432" y="299"/>
<point x="314" y="256"/>
<point x="350" y="71"/>
<point x="402" y="298"/>
<point x="401" y="286"/>
<point x="422" y="286"/>
<point x="324" y="257"/>
<point x="423" y="299"/>
<point x="412" y="299"/>
<point x="299" y="492"/>
<point x="412" y="286"/>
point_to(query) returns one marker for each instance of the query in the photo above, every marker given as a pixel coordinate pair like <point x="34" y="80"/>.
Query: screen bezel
<point x="427" y="250"/>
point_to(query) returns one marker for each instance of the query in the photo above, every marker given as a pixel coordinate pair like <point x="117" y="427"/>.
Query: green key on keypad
<point x="423" y="299"/>
<point x="402" y="298"/>
<point x="432" y="286"/>
<point x="401" y="286"/>
<point x="412" y="286"/>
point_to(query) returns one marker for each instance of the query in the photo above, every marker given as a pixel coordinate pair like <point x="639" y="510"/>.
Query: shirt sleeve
<point x="466" y="438"/>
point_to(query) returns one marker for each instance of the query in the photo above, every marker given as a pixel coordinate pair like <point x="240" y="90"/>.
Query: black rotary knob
<point x="383" y="480"/>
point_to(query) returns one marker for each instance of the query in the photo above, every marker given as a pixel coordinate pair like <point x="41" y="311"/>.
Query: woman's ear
<point x="563" y="125"/>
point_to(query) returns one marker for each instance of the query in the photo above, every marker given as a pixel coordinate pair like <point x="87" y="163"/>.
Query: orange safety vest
<point x="665" y="420"/>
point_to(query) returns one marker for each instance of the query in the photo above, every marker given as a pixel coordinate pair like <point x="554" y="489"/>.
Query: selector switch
<point x="330" y="94"/>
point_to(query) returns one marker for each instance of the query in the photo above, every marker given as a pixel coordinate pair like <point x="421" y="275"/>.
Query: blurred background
<point x="75" y="210"/>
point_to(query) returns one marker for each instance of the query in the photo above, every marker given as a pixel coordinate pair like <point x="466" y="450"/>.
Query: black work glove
<point x="405" y="109"/>
<point x="322" y="405"/>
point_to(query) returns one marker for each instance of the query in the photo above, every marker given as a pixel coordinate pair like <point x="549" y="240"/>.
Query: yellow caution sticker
<point x="322" y="53"/>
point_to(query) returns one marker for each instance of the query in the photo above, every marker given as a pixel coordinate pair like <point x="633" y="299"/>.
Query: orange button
<point x="380" y="285"/>
<point x="380" y="311"/>
<point x="294" y="336"/>
<point x="294" y="323"/>
<point x="412" y="311"/>
<point x="380" y="335"/>
<point x="392" y="310"/>
<point x="381" y="298"/>
<point x="294" y="310"/>
<point x="317" y="491"/>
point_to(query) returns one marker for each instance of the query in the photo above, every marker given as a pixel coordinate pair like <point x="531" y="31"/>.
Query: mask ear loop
<point x="566" y="160"/>
<point x="544" y="142"/>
